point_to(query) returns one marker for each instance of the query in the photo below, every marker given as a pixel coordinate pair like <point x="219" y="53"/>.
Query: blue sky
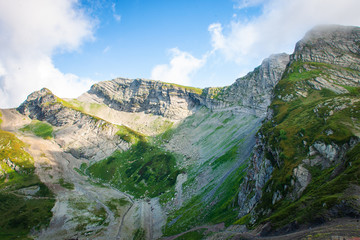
<point x="68" y="45"/>
<point x="132" y="46"/>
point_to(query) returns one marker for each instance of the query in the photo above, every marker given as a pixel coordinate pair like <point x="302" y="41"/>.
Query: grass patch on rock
<point x="129" y="135"/>
<point x="65" y="184"/>
<point x="40" y="129"/>
<point x="143" y="171"/>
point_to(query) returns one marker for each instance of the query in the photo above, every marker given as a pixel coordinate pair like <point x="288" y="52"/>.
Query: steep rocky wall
<point x="251" y="93"/>
<point x="138" y="95"/>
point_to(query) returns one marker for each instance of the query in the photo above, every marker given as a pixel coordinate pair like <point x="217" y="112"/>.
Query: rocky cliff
<point x="311" y="135"/>
<point x="254" y="91"/>
<point x="81" y="134"/>
<point x="338" y="45"/>
<point x="251" y="93"/>
<point x="148" y="96"/>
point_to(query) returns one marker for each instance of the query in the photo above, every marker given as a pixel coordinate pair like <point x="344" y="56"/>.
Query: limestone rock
<point x="254" y="91"/>
<point x="148" y="96"/>
<point x="79" y="133"/>
<point x="259" y="173"/>
<point x="302" y="179"/>
<point x="329" y="151"/>
<point x="332" y="44"/>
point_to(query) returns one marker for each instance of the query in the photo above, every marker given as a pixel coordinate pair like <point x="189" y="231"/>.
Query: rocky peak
<point x="332" y="44"/>
<point x="254" y="90"/>
<point x="77" y="132"/>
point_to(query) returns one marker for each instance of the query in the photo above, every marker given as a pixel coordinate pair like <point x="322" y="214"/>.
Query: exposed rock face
<point x="259" y="173"/>
<point x="148" y="96"/>
<point x="303" y="178"/>
<point x="254" y="91"/>
<point x="336" y="45"/>
<point x="251" y="94"/>
<point x="79" y="133"/>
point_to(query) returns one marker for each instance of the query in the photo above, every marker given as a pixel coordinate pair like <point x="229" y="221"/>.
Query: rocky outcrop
<point x="337" y="49"/>
<point x="250" y="94"/>
<point x="79" y="133"/>
<point x="332" y="44"/>
<point x="302" y="178"/>
<point x="259" y="173"/>
<point x="148" y="96"/>
<point x="253" y="91"/>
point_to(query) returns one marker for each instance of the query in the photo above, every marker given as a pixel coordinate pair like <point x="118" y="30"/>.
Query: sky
<point x="68" y="45"/>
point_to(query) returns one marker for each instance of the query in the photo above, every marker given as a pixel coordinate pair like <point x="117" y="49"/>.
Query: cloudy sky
<point x="67" y="45"/>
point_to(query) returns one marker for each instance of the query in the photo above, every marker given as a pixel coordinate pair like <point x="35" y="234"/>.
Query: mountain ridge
<point x="276" y="151"/>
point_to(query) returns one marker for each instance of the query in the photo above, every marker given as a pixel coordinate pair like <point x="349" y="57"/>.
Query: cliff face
<point x="254" y="91"/>
<point x="338" y="45"/>
<point x="250" y="94"/>
<point x="138" y="95"/>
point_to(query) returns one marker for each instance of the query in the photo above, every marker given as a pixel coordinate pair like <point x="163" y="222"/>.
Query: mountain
<point x="273" y="153"/>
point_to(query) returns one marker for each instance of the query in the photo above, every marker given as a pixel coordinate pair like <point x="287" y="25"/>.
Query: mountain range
<point x="274" y="155"/>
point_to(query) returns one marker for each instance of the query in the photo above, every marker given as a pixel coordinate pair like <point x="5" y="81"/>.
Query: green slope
<point x="304" y="116"/>
<point x="143" y="171"/>
<point x="20" y="213"/>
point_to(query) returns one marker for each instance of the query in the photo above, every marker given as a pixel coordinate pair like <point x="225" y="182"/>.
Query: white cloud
<point x="106" y="49"/>
<point x="241" y="4"/>
<point x="280" y="25"/>
<point x="180" y="69"/>
<point x="31" y="32"/>
<point x="116" y="16"/>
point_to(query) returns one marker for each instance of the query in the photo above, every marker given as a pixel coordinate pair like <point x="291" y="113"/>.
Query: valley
<point x="275" y="155"/>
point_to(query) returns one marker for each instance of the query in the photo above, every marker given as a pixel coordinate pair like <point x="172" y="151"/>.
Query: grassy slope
<point x="187" y="88"/>
<point x="40" y="129"/>
<point x="221" y="207"/>
<point x="223" y="139"/>
<point x="143" y="171"/>
<point x="148" y="171"/>
<point x="20" y="215"/>
<point x="298" y="124"/>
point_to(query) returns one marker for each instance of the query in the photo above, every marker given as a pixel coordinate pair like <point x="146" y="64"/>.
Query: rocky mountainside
<point x="276" y="151"/>
<point x="254" y="91"/>
<point x="308" y="146"/>
<point x="148" y="96"/>
<point x="251" y="93"/>
<point x="80" y="133"/>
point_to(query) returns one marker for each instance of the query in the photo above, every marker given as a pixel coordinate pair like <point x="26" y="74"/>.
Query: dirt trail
<point x="338" y="229"/>
<point x="52" y="164"/>
<point x="209" y="228"/>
